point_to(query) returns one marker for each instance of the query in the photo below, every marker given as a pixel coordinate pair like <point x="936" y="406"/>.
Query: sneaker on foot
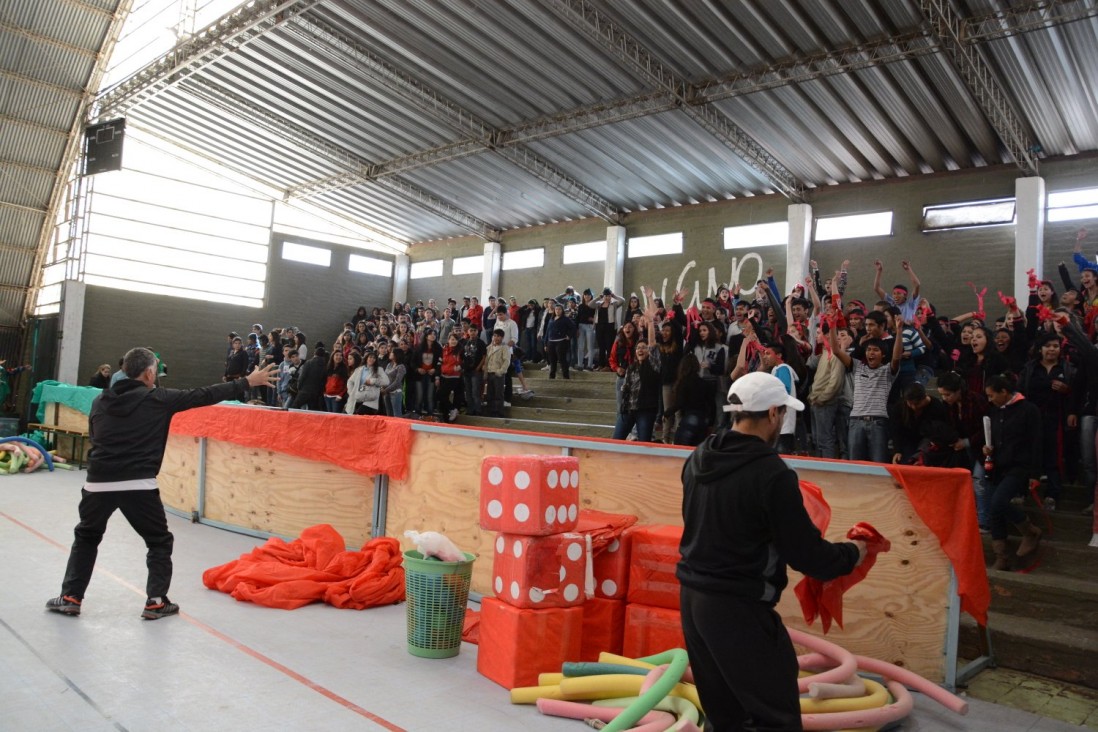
<point x="507" y="404"/>
<point x="159" y="607"/>
<point x="453" y="414"/>
<point x="1050" y="503"/>
<point x="527" y="395"/>
<point x="65" y="604"/>
<point x="545" y="368"/>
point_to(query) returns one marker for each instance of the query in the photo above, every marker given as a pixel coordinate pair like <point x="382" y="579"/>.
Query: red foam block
<point x="653" y="555"/>
<point x="517" y="644"/>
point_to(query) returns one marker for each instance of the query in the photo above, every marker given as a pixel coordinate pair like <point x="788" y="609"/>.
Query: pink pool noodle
<point x="952" y="702"/>
<point x="867" y="717"/>
<point x="652" y="677"/>
<point x="847" y="665"/>
<point x="576" y="710"/>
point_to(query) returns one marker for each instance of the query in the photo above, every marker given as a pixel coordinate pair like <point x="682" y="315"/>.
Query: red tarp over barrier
<point x="314" y="568"/>
<point x="944" y="501"/>
<point x="367" y="445"/>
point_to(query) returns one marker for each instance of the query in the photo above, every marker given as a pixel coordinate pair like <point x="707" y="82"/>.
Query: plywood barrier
<point x="898" y="614"/>
<point x="68" y="418"/>
<point x="442" y="491"/>
<point x="178" y="478"/>
<point x="282" y="494"/>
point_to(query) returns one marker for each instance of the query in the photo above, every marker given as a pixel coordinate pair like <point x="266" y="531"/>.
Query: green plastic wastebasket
<point x="437" y="594"/>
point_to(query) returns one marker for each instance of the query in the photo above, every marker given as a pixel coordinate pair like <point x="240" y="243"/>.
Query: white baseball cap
<point x="758" y="392"/>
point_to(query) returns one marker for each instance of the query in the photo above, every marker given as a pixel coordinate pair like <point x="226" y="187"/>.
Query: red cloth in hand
<point x="831" y="598"/>
<point x="825" y="599"/>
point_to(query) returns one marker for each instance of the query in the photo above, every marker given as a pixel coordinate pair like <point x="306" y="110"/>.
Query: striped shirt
<point x="871" y="387"/>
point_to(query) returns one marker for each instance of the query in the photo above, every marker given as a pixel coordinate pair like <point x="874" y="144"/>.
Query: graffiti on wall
<point x="747" y="271"/>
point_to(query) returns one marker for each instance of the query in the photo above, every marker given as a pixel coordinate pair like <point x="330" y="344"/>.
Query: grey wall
<point x="191" y="335"/>
<point x="945" y="261"/>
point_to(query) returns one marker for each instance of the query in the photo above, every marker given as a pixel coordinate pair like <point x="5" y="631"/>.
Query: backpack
<point x="828" y="381"/>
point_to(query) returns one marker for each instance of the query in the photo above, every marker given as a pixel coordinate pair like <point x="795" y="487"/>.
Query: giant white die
<point x="533" y="495"/>
<point x="539" y="571"/>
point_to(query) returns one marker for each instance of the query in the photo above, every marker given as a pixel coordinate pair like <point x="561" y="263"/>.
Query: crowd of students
<point x="888" y="381"/>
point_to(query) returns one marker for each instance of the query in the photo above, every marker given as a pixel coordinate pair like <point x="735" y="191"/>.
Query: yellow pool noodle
<point x="531" y="694"/>
<point x="876" y="696"/>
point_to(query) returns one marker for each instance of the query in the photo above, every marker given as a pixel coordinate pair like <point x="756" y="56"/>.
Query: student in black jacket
<point x="128" y="426"/>
<point x="1015" y="450"/>
<point x="743" y="520"/>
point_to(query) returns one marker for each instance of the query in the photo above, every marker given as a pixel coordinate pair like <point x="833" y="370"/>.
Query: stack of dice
<point x="541" y="615"/>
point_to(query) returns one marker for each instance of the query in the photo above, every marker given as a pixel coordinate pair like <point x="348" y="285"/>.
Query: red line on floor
<point x="346" y="703"/>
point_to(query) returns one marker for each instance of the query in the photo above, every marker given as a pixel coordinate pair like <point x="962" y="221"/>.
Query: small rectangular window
<point x="467" y="265"/>
<point x="370" y="265"/>
<point x="654" y="246"/>
<point x="756" y="235"/>
<point x="421" y="270"/>
<point x="306" y="254"/>
<point x="1073" y="205"/>
<point x="523" y="259"/>
<point x="854" y="226"/>
<point x="968" y="215"/>
<point x="592" y="251"/>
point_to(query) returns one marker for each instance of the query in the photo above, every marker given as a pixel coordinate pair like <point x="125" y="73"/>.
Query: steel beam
<point x="224" y="36"/>
<point x="27" y="167"/>
<point x="365" y="170"/>
<point x="46" y="40"/>
<point x="586" y="18"/>
<point x="1024" y="19"/>
<point x="948" y="28"/>
<point x="331" y="40"/>
<point x="36" y="126"/>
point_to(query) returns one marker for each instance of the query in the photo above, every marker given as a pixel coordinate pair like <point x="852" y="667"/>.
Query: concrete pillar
<point x="798" y="252"/>
<point x="489" y="278"/>
<point x="72" y="332"/>
<point x="614" y="271"/>
<point x="401" y="266"/>
<point x="1029" y="233"/>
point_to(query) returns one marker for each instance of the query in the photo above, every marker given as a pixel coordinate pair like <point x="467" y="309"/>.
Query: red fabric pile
<point x="316" y="567"/>
<point x="381" y="444"/>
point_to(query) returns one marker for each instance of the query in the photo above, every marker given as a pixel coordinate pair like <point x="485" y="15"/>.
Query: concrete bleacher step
<point x="1038" y="646"/>
<point x="574" y="429"/>
<point x="1045" y="621"/>
<point x="599" y="405"/>
<point x="531" y="410"/>
<point x="593" y="388"/>
<point x="1046" y="596"/>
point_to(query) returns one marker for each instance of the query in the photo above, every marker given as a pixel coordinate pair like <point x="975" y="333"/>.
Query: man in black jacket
<point x="128" y="427"/>
<point x="743" y="520"/>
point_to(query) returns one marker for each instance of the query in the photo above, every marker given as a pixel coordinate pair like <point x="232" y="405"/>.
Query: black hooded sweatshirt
<point x="128" y="426"/>
<point x="744" y="520"/>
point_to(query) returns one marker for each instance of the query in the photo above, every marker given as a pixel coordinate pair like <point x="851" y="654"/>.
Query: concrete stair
<point x="1044" y="620"/>
<point x="581" y="406"/>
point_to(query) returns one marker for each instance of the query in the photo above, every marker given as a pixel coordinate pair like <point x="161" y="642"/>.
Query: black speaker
<point x="103" y="146"/>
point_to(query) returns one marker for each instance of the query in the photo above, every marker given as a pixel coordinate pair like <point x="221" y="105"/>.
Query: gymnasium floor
<point x="229" y="665"/>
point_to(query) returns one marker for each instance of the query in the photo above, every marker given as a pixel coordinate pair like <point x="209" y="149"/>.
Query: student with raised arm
<point x="908" y="303"/>
<point x="868" y="430"/>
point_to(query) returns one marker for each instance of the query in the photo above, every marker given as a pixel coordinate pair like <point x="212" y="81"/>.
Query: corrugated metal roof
<point x="48" y="52"/>
<point x="430" y="118"/>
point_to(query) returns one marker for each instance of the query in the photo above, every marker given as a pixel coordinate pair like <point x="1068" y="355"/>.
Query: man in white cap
<point x="743" y="521"/>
